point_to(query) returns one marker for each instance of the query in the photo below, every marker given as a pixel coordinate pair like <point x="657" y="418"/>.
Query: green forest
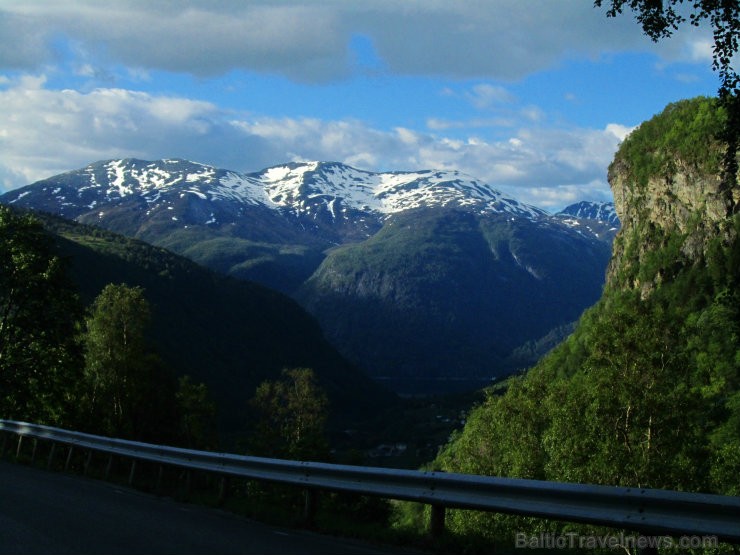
<point x="86" y="369"/>
<point x="110" y="335"/>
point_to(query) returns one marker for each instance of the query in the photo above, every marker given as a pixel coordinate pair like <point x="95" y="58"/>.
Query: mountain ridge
<point x="305" y="190"/>
<point x="428" y="273"/>
<point x="288" y="186"/>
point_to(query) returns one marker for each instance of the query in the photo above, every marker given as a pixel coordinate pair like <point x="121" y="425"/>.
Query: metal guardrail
<point x="647" y="511"/>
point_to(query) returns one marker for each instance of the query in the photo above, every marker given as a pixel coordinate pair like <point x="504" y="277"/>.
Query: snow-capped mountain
<point x="338" y="187"/>
<point x="414" y="276"/>
<point x="598" y="219"/>
<point x="309" y="189"/>
<point x="601" y="211"/>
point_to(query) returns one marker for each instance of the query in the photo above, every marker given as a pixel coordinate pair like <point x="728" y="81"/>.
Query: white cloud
<point x="619" y="131"/>
<point x="486" y="96"/>
<point x="533" y="113"/>
<point x="701" y="50"/>
<point x="311" y="40"/>
<point x="44" y="132"/>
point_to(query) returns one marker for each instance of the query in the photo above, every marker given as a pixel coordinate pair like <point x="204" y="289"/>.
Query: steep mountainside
<point x="429" y="276"/>
<point x="230" y="334"/>
<point x="646" y="391"/>
<point x="270" y="226"/>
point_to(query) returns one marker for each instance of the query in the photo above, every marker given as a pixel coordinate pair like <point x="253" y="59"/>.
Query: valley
<point x="429" y="281"/>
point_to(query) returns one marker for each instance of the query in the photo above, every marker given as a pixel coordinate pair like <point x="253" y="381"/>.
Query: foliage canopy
<point x="130" y="393"/>
<point x="39" y="312"/>
<point x="292" y="413"/>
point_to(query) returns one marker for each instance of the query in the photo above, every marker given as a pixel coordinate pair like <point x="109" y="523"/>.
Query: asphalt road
<point x="53" y="513"/>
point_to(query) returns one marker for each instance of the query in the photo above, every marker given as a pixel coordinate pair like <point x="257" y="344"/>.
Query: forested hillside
<point x="228" y="334"/>
<point x="646" y="391"/>
<point x="438" y="300"/>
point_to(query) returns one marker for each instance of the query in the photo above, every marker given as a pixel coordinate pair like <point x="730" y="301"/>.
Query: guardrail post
<point x="33" y="451"/>
<point x="222" y="489"/>
<point x="188" y="483"/>
<point x="50" y="458"/>
<point x="437" y="521"/>
<point x="87" y="462"/>
<point x="69" y="458"/>
<point x="309" y="509"/>
<point x="108" y="466"/>
<point x="18" y="449"/>
<point x="160" y="472"/>
<point x="131" y="473"/>
<point x="5" y="442"/>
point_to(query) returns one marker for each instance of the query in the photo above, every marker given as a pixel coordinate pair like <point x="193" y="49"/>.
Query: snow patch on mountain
<point x="323" y="192"/>
<point x="385" y="193"/>
<point x="298" y="188"/>
<point x="600" y="211"/>
<point x="598" y="219"/>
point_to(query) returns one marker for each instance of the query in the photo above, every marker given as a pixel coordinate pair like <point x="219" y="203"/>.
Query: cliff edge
<point x="670" y="195"/>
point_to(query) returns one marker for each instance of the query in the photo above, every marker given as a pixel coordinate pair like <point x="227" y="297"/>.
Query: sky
<point x="530" y="96"/>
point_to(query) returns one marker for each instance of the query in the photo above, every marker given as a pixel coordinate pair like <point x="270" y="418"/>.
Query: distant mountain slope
<point x="429" y="275"/>
<point x="227" y="333"/>
<point x="600" y="211"/>
<point x="277" y="222"/>
<point x="597" y="219"/>
<point x="438" y="299"/>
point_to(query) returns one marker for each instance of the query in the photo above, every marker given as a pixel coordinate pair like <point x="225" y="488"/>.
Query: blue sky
<point x="532" y="96"/>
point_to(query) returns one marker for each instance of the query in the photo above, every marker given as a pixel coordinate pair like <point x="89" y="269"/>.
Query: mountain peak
<point x="385" y="192"/>
<point x="598" y="219"/>
<point x="587" y="210"/>
<point x="300" y="188"/>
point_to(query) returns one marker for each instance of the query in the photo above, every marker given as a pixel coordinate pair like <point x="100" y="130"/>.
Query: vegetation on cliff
<point x="686" y="133"/>
<point x="646" y="391"/>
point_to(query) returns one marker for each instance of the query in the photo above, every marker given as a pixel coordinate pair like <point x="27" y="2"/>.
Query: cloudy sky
<point x="532" y="96"/>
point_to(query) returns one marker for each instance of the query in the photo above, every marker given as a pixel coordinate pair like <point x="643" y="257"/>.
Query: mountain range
<point x="429" y="280"/>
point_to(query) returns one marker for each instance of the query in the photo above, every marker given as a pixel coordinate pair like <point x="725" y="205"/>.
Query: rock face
<point x="669" y="192"/>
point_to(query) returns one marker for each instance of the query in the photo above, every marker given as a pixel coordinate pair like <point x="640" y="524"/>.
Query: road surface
<point x="53" y="513"/>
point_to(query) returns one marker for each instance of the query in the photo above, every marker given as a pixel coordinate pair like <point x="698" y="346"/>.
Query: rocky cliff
<point x="669" y="194"/>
